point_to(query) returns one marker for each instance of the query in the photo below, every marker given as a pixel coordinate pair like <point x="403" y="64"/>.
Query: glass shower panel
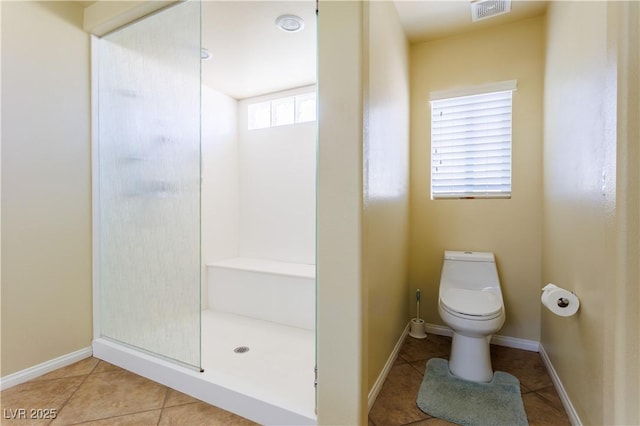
<point x="149" y="184"/>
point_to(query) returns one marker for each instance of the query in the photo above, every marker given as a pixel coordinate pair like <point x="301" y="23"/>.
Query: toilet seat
<point x="476" y="305"/>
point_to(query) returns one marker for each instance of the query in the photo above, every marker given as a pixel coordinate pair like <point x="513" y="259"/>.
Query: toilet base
<point x="470" y="358"/>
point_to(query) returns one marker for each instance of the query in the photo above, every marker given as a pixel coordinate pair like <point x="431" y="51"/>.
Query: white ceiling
<point x="251" y="56"/>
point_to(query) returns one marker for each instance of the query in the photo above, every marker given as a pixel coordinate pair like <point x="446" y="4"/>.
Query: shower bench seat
<point x="276" y="291"/>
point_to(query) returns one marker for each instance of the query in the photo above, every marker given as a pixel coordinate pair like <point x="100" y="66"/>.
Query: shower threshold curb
<point x="194" y="384"/>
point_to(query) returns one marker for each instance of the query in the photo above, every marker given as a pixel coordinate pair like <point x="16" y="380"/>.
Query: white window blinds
<point x="471" y="145"/>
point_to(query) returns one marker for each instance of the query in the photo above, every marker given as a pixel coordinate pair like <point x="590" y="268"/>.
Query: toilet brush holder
<point x="417" y="329"/>
<point x="417" y="324"/>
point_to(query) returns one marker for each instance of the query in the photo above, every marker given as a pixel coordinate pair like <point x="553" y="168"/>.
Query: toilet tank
<point x="469" y="270"/>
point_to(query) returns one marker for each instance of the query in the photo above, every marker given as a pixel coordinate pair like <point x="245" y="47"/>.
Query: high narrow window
<point x="471" y="143"/>
<point x="259" y="115"/>
<point x="306" y="108"/>
<point x="282" y="111"/>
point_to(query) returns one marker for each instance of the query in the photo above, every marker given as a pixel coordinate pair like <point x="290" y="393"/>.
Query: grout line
<point x="39" y="379"/>
<point x="197" y="401"/>
<point x="550" y="405"/>
<point x="164" y="404"/>
<point x="417" y="422"/>
<point x="189" y="403"/>
<point x="370" y="421"/>
<point x="160" y="416"/>
<point x="528" y="390"/>
<point x="416" y="369"/>
<point x="549" y="402"/>
<point x="95" y="366"/>
<point x="64" y="404"/>
<point x="166" y="396"/>
<point x="84" y="422"/>
<point x="402" y="360"/>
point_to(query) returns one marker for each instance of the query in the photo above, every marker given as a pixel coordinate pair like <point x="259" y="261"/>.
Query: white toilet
<point x="470" y="303"/>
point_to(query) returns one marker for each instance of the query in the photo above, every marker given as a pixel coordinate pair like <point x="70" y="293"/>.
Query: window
<point x="306" y="108"/>
<point x="471" y="142"/>
<point x="259" y="115"/>
<point x="282" y="111"/>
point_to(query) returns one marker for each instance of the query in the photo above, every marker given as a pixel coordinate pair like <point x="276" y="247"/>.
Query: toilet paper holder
<point x="560" y="301"/>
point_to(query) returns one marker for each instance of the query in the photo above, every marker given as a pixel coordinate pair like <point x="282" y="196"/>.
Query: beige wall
<point x="590" y="227"/>
<point x="575" y="222"/>
<point x="622" y="330"/>
<point x="509" y="228"/>
<point x="341" y="315"/>
<point x="622" y="294"/>
<point x="46" y="183"/>
<point x="385" y="235"/>
<point x="362" y="202"/>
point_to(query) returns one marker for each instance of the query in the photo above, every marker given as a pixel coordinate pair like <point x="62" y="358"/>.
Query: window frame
<point x="277" y="121"/>
<point x="465" y="92"/>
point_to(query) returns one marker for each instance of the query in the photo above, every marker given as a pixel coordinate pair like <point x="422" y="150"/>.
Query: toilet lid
<point x="471" y="302"/>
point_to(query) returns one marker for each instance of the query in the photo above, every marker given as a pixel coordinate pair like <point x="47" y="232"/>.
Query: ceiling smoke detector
<point x="290" y="23"/>
<point x="483" y="9"/>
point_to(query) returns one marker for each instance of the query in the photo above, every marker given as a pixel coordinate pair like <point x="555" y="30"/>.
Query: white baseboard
<point x="513" y="342"/>
<point x="527" y="345"/>
<point x="562" y="393"/>
<point x="440" y="330"/>
<point x="377" y="386"/>
<point x="510" y="342"/>
<point x="27" y="374"/>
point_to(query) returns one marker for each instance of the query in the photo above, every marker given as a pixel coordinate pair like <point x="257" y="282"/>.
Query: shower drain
<point x="241" y="349"/>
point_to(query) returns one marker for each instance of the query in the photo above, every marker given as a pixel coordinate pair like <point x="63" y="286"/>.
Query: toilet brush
<point x="417" y="324"/>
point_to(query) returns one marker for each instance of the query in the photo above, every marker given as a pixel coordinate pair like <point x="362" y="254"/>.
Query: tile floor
<point x="93" y="392"/>
<point x="396" y="403"/>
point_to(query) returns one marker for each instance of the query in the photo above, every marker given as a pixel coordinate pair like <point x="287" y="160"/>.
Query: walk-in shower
<point x="204" y="204"/>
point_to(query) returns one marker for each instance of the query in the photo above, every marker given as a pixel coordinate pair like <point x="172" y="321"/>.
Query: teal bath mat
<point x="467" y="403"/>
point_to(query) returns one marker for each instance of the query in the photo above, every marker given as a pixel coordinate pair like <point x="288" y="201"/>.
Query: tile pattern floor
<point x="396" y="403"/>
<point x="93" y="392"/>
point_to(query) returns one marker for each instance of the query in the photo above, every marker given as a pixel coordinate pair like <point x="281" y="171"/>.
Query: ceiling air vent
<point x="483" y="9"/>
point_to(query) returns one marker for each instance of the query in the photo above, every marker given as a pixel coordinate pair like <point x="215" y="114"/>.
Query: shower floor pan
<point x="257" y="369"/>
